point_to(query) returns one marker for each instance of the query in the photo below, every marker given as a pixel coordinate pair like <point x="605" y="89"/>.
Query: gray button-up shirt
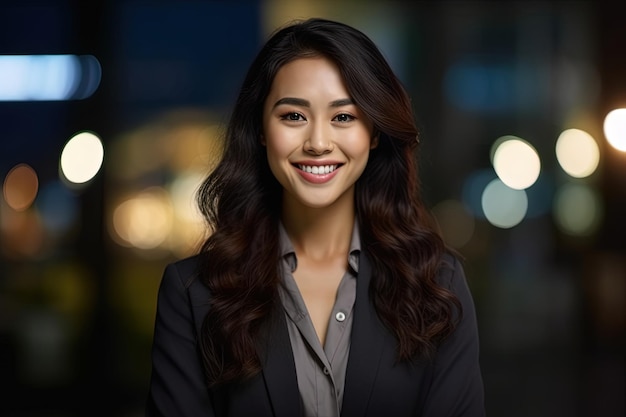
<point x="320" y="370"/>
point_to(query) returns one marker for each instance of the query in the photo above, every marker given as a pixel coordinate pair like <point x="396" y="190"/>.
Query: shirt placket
<point x="298" y="314"/>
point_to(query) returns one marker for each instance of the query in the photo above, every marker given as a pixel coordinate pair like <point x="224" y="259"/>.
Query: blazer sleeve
<point x="177" y="383"/>
<point x="456" y="388"/>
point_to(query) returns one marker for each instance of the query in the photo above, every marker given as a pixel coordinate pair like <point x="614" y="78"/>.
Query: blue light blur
<point x="495" y="86"/>
<point x="58" y="207"/>
<point x="475" y="86"/>
<point x="473" y="190"/>
<point x="48" y="77"/>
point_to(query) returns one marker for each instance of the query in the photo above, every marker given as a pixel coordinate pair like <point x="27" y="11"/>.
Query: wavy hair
<point x="241" y="201"/>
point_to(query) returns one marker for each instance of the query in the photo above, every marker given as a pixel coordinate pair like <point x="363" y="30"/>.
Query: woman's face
<point x="318" y="141"/>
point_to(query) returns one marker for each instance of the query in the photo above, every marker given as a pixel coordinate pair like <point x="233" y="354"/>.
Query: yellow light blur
<point x="504" y="207"/>
<point x="577" y="153"/>
<point x="455" y="222"/>
<point x="178" y="142"/>
<point x="615" y="129"/>
<point x="144" y="221"/>
<point x="21" y="233"/>
<point x="20" y="187"/>
<point x="69" y="289"/>
<point x="189" y="228"/>
<point x="516" y="162"/>
<point x="577" y="209"/>
<point x="82" y="157"/>
<point x="183" y="192"/>
<point x="278" y="12"/>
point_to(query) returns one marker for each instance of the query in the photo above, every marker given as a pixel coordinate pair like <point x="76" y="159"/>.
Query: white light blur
<point x="516" y="162"/>
<point x="82" y="157"/>
<point x="577" y="153"/>
<point x="615" y="129"/>
<point x="455" y="222"/>
<point x="504" y="207"/>
<point x="577" y="209"/>
<point x="48" y="77"/>
<point x="144" y="221"/>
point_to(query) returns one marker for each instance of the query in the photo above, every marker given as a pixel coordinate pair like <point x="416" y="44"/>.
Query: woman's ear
<point x="374" y="140"/>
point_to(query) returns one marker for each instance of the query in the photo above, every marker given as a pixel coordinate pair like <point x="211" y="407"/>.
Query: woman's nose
<point x="319" y="141"/>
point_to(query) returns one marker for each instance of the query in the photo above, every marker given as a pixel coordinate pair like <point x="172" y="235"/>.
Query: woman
<point x="323" y="289"/>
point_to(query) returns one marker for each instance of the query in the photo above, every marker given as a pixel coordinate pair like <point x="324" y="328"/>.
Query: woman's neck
<point x="319" y="233"/>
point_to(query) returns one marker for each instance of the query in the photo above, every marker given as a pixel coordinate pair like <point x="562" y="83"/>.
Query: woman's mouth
<point x="317" y="174"/>
<point x="317" y="169"/>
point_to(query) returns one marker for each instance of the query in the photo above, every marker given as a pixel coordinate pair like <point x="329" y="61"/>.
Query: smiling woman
<point x="324" y="289"/>
<point x="317" y="139"/>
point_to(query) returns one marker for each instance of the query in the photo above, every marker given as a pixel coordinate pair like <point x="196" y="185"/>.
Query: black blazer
<point x="375" y="385"/>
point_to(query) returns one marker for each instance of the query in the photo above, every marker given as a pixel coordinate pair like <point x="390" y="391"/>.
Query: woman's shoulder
<point x="450" y="261"/>
<point x="451" y="273"/>
<point x="186" y="267"/>
<point x="185" y="273"/>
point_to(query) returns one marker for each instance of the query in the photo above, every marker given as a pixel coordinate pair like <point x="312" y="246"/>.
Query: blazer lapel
<point x="366" y="347"/>
<point x="279" y="370"/>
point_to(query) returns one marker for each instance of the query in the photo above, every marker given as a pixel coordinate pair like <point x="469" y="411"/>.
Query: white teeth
<point x="318" y="169"/>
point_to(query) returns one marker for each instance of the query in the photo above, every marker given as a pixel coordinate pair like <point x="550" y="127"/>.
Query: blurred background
<point x="110" y="115"/>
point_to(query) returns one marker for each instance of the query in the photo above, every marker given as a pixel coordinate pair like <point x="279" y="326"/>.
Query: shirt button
<point x="326" y="371"/>
<point x="340" y="316"/>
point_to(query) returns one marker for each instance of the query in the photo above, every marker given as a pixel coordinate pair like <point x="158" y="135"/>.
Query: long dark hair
<point x="241" y="202"/>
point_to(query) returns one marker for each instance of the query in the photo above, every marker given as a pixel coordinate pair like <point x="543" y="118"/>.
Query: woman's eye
<point x="293" y="117"/>
<point x="344" y="117"/>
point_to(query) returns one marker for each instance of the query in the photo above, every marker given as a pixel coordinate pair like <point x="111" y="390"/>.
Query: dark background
<point x="77" y="306"/>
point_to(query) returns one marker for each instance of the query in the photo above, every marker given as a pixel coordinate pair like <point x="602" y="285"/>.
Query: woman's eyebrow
<point x="293" y="101"/>
<point x="305" y="103"/>
<point x="341" y="102"/>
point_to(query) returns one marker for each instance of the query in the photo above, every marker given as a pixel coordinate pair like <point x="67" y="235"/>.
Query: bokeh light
<point x="144" y="221"/>
<point x="82" y="157"/>
<point x="455" y="221"/>
<point x="48" y="77"/>
<point x="516" y="162"/>
<point x="58" y="207"/>
<point x="22" y="235"/>
<point x="190" y="228"/>
<point x="578" y="210"/>
<point x="577" y="152"/>
<point x="20" y="187"/>
<point x="481" y="86"/>
<point x="615" y="129"/>
<point x="503" y="206"/>
<point x="183" y="192"/>
<point x="473" y="188"/>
